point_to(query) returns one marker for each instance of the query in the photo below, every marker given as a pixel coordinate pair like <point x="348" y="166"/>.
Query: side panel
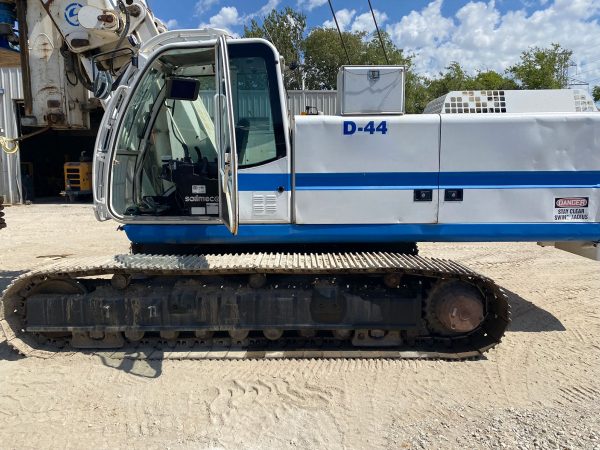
<point x="365" y="170"/>
<point x="516" y="168"/>
<point x="262" y="199"/>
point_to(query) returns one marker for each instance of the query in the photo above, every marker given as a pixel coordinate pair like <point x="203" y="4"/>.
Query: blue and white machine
<point x="496" y="174"/>
<point x="295" y="236"/>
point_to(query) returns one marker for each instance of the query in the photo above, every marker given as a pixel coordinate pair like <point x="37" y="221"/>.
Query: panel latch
<point x="423" y="195"/>
<point x="453" y="195"/>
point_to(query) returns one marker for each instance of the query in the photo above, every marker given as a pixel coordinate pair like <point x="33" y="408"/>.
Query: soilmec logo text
<point x="575" y="202"/>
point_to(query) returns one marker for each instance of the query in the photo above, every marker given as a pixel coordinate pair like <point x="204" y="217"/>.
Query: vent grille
<point x="264" y="204"/>
<point x="476" y="102"/>
<point x="583" y="102"/>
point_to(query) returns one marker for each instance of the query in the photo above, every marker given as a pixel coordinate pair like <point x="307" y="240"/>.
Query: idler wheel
<point x="58" y="286"/>
<point x="454" y="307"/>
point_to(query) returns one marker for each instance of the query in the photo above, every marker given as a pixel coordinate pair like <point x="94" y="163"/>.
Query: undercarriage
<point x="2" y="220"/>
<point x="257" y="305"/>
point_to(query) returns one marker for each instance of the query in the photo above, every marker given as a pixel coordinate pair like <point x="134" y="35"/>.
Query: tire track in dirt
<point x="580" y="394"/>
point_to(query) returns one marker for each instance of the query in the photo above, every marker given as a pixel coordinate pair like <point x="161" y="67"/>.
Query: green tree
<point x="324" y="55"/>
<point x="455" y="78"/>
<point x="542" y="68"/>
<point x="285" y="29"/>
<point x="596" y="93"/>
<point x="373" y="51"/>
<point x="491" y="80"/>
<point x="417" y="93"/>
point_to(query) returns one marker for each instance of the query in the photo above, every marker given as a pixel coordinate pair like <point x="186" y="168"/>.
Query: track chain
<point x="487" y="336"/>
<point x="2" y="220"/>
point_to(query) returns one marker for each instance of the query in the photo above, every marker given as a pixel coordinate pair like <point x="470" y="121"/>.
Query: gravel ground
<point x="538" y="389"/>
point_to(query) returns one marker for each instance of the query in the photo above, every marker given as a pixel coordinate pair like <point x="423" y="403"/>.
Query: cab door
<point x="228" y="159"/>
<point x="102" y="154"/>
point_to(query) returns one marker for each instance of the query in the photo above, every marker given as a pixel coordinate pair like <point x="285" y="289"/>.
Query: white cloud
<point x="310" y="4"/>
<point x="349" y="21"/>
<point x="227" y="18"/>
<point x="422" y="29"/>
<point x="172" y="24"/>
<point x="364" y="22"/>
<point x="202" y="6"/>
<point x="479" y="36"/>
<point x="268" y="7"/>
<point x="344" y="18"/>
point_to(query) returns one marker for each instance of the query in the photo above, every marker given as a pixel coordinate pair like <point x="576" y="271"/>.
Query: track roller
<point x="204" y="334"/>
<point x="342" y="334"/>
<point x="307" y="333"/>
<point x="273" y="334"/>
<point x="238" y="335"/>
<point x="169" y="335"/>
<point x="134" y="336"/>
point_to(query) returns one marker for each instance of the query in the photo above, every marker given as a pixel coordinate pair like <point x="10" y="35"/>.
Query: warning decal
<point x="571" y="209"/>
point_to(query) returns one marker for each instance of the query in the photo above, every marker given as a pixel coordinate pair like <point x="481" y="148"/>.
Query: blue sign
<point x="72" y="13"/>
<point x="350" y="128"/>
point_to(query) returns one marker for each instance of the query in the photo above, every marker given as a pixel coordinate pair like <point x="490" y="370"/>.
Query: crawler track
<point x="2" y="220"/>
<point x="360" y="305"/>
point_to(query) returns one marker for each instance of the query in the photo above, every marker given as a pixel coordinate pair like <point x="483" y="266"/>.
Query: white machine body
<point x="509" y="168"/>
<point x="364" y="177"/>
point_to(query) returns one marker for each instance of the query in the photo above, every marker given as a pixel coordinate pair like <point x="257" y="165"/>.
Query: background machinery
<point x="273" y="235"/>
<point x="78" y="178"/>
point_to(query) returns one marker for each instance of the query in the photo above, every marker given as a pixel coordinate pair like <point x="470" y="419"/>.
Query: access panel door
<point x="366" y="169"/>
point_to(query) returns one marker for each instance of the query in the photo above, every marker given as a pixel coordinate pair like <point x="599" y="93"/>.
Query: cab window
<point x="260" y="135"/>
<point x="166" y="160"/>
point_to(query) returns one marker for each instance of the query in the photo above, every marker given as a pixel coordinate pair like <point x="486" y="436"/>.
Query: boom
<point x="72" y="49"/>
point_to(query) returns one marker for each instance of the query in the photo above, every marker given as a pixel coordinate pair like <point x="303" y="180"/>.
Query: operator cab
<point x="196" y="115"/>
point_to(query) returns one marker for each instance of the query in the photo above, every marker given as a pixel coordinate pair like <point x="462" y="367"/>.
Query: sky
<point x="479" y="34"/>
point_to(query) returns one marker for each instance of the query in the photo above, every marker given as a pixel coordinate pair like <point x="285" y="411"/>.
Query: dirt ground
<point x="539" y="389"/>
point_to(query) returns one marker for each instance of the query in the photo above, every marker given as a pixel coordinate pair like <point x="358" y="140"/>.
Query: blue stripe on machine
<point x="420" y="180"/>
<point x="516" y="180"/>
<point x="263" y="181"/>
<point x="287" y="233"/>
<point x="366" y="180"/>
